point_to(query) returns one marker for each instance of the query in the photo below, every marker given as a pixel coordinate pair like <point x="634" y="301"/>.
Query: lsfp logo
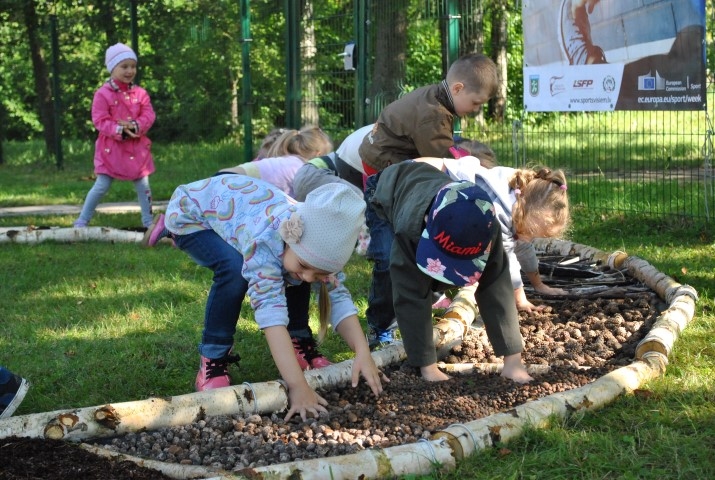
<point x="583" y="83"/>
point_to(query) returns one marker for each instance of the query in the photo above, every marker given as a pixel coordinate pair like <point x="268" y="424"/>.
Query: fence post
<point x="59" y="159"/>
<point x="361" y="48"/>
<point x="134" y="28"/>
<point x="452" y="47"/>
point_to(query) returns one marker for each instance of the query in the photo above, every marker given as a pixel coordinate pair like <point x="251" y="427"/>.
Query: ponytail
<point x="324" y="307"/>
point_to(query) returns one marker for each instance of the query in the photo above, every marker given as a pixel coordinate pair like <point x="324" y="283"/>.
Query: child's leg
<point x="144" y="195"/>
<point x="223" y="305"/>
<point x="298" y="300"/>
<point x="380" y="311"/>
<point x="94" y="196"/>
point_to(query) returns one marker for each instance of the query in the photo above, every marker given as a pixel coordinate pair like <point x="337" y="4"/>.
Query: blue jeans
<point x="223" y="306"/>
<point x="380" y="311"/>
<point x="100" y="189"/>
<point x="5" y="375"/>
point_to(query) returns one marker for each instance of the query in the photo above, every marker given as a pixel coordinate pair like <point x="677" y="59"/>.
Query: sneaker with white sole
<point x="379" y="337"/>
<point x="12" y="393"/>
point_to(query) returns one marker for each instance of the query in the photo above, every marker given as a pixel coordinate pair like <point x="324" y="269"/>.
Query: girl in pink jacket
<point x="122" y="114"/>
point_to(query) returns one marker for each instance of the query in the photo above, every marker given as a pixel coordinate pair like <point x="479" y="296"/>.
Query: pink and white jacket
<point x="128" y="158"/>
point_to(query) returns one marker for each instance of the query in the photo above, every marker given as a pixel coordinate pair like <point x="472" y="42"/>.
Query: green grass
<point x="93" y="323"/>
<point x="29" y="177"/>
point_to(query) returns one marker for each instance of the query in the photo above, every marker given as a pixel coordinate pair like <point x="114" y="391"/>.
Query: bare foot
<point x="514" y="370"/>
<point x="433" y="374"/>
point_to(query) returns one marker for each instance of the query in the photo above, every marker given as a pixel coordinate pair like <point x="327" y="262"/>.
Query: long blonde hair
<point x="308" y="142"/>
<point x="542" y="204"/>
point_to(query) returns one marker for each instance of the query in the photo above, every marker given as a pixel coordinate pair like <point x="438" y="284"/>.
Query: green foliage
<point x="191" y="56"/>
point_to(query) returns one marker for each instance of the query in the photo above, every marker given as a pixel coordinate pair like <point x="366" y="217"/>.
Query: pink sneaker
<point x="155" y="232"/>
<point x="307" y="354"/>
<point x="214" y="373"/>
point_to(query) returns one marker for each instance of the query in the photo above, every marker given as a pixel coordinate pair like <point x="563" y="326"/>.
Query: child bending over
<point x="282" y="244"/>
<point x="446" y="235"/>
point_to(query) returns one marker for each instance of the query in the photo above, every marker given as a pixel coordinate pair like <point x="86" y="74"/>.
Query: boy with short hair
<point x="418" y="124"/>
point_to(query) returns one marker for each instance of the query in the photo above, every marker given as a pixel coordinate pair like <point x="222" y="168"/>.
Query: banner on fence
<point x="604" y="55"/>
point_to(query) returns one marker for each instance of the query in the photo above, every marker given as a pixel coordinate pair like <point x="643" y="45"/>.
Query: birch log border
<point x="110" y="420"/>
<point x="68" y="235"/>
<point x="439" y="453"/>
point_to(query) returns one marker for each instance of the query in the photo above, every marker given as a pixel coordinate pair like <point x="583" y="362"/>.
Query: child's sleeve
<point x="341" y="302"/>
<point x="526" y="255"/>
<point x="146" y="117"/>
<point x="251" y="168"/>
<point x="102" y="117"/>
<point x="266" y="288"/>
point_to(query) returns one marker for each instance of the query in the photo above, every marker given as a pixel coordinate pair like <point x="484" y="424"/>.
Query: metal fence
<point x="655" y="163"/>
<point x="342" y="61"/>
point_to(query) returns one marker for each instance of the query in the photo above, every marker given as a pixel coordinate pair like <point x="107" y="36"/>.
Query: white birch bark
<point x="67" y="235"/>
<point x="150" y="414"/>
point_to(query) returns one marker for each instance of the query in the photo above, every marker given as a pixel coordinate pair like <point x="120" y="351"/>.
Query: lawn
<point x="94" y="323"/>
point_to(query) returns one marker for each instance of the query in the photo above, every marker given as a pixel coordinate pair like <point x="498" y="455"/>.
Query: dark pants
<point x="380" y="311"/>
<point x="223" y="305"/>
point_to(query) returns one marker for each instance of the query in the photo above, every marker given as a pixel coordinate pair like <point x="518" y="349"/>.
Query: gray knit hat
<point x="324" y="229"/>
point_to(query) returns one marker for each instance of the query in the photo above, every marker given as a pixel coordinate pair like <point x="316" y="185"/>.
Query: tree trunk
<point x="42" y="80"/>
<point x="105" y="21"/>
<point x="2" y="131"/>
<point x="499" y="14"/>
<point x="390" y="53"/>
<point x="310" y="111"/>
<point x="471" y="34"/>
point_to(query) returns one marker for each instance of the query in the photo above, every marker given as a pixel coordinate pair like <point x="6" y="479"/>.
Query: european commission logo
<point x="651" y="82"/>
<point x="646" y="83"/>
<point x="534" y="85"/>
